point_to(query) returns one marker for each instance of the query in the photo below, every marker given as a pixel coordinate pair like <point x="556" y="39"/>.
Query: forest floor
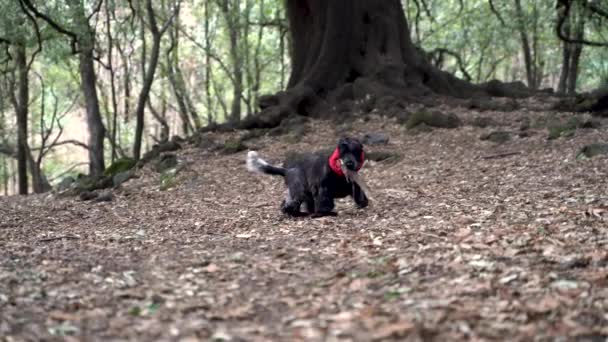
<point x="465" y="239"/>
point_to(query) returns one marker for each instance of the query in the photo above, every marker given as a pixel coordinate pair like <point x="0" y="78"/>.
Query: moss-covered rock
<point x="87" y="195"/>
<point x="168" y="179"/>
<point x="120" y="165"/>
<point x="379" y="156"/>
<point x="592" y="150"/>
<point x="167" y="146"/>
<point x="65" y="184"/>
<point x="433" y="119"/>
<point x="483" y="122"/>
<point x="564" y="129"/>
<point x="92" y="183"/>
<point x="122" y="177"/>
<point x="499" y="137"/>
<point x="165" y="162"/>
<point x="105" y="196"/>
<point x="295" y="124"/>
<point x="232" y="146"/>
<point x="254" y="133"/>
<point x="375" y="138"/>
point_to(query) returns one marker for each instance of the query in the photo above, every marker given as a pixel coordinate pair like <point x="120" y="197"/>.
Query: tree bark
<point x="230" y="11"/>
<point x="94" y="121"/>
<point x="525" y="44"/>
<point x="566" y="55"/>
<point x="21" y="110"/>
<point x="148" y="76"/>
<point x="208" y="71"/>
<point x="5" y="173"/>
<point x="346" y="49"/>
<point x="576" y="49"/>
<point x="112" y="81"/>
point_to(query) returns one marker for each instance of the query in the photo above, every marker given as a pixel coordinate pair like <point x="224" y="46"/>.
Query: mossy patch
<point x="168" y="179"/>
<point x="380" y="156"/>
<point x="592" y="150"/>
<point x="120" y="165"/>
<point x="433" y="119"/>
<point x="564" y="129"/>
<point x="232" y="146"/>
<point x="166" y="162"/>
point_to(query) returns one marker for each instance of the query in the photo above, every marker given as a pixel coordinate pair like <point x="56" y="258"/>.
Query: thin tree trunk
<point x="230" y="11"/>
<point x="5" y="176"/>
<point x="525" y="45"/>
<point x="164" y="126"/>
<point x="566" y="55"/>
<point x="112" y="82"/>
<point x="5" y="173"/>
<point x="577" y="49"/>
<point x="148" y="76"/>
<point x="178" y="85"/>
<point x="21" y="110"/>
<point x="208" y="70"/>
<point x="256" y="58"/>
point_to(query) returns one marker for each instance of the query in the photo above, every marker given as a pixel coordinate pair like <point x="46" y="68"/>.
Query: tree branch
<point x="567" y="4"/>
<point x="73" y="36"/>
<point x="496" y="13"/>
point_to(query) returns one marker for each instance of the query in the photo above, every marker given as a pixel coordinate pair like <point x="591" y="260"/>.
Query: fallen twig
<point x="69" y="237"/>
<point x="501" y="155"/>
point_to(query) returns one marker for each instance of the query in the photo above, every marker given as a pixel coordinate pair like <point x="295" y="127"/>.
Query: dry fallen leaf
<point x="394" y="330"/>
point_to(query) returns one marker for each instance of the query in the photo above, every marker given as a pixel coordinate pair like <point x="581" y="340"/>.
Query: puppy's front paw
<point x="323" y="214"/>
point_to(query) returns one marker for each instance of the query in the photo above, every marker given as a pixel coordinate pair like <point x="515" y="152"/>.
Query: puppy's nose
<point x="350" y="164"/>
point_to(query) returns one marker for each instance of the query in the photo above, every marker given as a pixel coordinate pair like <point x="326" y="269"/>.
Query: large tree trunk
<point x="345" y="49"/>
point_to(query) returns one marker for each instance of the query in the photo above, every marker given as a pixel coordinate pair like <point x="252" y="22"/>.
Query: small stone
<point x="87" y="195"/>
<point x="105" y="196"/>
<point x="122" y="177"/>
<point x="483" y="122"/>
<point x="375" y="139"/>
<point x="592" y="150"/>
<point x="498" y="137"/>
<point x="65" y="184"/>
<point x="166" y="162"/>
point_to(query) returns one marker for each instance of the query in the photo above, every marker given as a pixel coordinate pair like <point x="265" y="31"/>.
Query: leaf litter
<point x="465" y="240"/>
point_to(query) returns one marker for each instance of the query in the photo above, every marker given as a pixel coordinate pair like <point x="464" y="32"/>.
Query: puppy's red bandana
<point x="334" y="162"/>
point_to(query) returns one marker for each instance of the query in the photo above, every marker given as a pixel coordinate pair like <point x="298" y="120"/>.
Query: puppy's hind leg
<point x="295" y="194"/>
<point x="291" y="207"/>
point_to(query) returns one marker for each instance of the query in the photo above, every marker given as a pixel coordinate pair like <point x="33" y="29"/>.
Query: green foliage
<point x="120" y="165"/>
<point x="197" y="49"/>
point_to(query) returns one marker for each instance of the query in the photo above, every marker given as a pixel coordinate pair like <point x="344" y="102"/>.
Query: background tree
<point x="82" y="40"/>
<point x="217" y="58"/>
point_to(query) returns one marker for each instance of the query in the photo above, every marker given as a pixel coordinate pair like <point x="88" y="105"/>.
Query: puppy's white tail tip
<point x="252" y="155"/>
<point x="253" y="161"/>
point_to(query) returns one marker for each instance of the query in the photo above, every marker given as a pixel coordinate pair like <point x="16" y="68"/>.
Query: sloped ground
<point x="460" y="242"/>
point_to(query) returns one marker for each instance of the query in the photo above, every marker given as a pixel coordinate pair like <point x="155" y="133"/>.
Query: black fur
<point x="311" y="181"/>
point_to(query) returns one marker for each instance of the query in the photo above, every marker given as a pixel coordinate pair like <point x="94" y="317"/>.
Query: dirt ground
<point x="464" y="240"/>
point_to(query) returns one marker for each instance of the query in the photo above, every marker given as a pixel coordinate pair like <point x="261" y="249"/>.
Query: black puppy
<point x="317" y="179"/>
